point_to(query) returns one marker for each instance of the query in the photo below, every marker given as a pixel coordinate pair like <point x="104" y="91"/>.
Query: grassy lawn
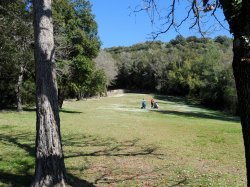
<point x="112" y="142"/>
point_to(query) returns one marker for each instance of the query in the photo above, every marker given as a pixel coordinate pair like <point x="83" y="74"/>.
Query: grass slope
<point x="112" y="142"/>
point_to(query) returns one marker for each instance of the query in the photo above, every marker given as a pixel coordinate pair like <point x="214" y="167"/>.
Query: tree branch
<point x="195" y="13"/>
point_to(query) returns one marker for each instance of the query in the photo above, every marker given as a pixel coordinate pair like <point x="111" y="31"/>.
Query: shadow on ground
<point x="61" y="110"/>
<point x="19" y="176"/>
<point x="30" y="109"/>
<point x="199" y="115"/>
<point x="107" y="147"/>
<point x="179" y="100"/>
<point x="191" y="103"/>
<point x="83" y="147"/>
<point x="15" y="180"/>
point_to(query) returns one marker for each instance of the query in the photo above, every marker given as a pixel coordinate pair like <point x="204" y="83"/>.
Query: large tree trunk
<point x="238" y="17"/>
<point x="241" y="67"/>
<point x="18" y="90"/>
<point x="50" y="168"/>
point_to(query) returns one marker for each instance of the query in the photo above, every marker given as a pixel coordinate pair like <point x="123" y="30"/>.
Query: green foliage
<point x="77" y="44"/>
<point x="29" y="92"/>
<point x="16" y="51"/>
<point x="99" y="80"/>
<point x="76" y="41"/>
<point x="193" y="67"/>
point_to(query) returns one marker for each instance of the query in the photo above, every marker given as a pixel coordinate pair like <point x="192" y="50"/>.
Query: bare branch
<point x="216" y="18"/>
<point x="170" y="16"/>
<point x="195" y="13"/>
<point x="197" y="18"/>
<point x="188" y="15"/>
<point x="220" y="22"/>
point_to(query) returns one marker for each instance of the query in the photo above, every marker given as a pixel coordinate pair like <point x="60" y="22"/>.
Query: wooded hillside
<point x="199" y="68"/>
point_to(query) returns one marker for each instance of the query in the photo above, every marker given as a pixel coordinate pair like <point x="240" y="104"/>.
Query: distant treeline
<point x="199" y="68"/>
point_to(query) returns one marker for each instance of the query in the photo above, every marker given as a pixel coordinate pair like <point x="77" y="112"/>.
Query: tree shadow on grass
<point x="179" y="100"/>
<point x="77" y="182"/>
<point x="15" y="180"/>
<point x="70" y="111"/>
<point x="91" y="146"/>
<point x="199" y="115"/>
<point x="192" y="103"/>
<point x="19" y="141"/>
<point x="107" y="147"/>
<point x="180" y="183"/>
<point x="61" y="110"/>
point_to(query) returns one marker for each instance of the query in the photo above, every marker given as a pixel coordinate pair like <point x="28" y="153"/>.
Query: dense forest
<point x="198" y="68"/>
<point x="76" y="45"/>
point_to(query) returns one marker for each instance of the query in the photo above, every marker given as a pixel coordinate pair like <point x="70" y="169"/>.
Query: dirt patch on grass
<point x="134" y="171"/>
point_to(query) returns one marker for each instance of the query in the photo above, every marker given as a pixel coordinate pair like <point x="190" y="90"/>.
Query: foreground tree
<point x="237" y="13"/>
<point x="50" y="168"/>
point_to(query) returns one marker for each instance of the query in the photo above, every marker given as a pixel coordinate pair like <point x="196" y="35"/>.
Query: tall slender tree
<point x="50" y="168"/>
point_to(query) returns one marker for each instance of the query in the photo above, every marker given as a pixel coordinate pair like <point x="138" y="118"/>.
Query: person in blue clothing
<point x="143" y="104"/>
<point x="156" y="106"/>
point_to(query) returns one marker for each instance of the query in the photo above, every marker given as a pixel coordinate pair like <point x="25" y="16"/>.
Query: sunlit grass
<point x="112" y="141"/>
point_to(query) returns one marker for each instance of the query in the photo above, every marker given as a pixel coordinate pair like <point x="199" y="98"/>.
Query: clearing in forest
<point x="112" y="142"/>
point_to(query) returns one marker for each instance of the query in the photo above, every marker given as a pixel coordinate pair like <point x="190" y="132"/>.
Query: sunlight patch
<point x="186" y="108"/>
<point x="118" y="95"/>
<point x="122" y="108"/>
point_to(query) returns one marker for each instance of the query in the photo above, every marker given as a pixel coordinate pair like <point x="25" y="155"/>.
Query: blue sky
<point x="119" y="26"/>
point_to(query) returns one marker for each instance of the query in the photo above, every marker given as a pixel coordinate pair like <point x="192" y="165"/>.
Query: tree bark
<point x="18" y="90"/>
<point x="238" y="17"/>
<point x="50" y="168"/>
<point x="241" y="67"/>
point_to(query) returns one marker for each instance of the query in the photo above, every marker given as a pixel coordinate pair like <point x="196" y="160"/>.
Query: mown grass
<point x="112" y="142"/>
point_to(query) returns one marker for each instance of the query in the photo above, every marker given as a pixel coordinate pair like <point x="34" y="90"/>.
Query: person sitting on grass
<point x="143" y="103"/>
<point x="156" y="106"/>
<point x="152" y="102"/>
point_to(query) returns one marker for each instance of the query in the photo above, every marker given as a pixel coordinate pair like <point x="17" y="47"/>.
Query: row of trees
<point x="193" y="67"/>
<point x="76" y="45"/>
